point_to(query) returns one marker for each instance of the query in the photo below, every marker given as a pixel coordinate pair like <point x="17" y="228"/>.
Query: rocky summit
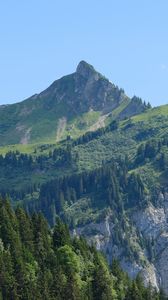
<point x="72" y="105"/>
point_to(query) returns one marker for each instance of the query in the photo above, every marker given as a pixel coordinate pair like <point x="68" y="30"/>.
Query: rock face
<point x="152" y="225"/>
<point x="134" y="107"/>
<point x="84" y="90"/>
<point x="85" y="70"/>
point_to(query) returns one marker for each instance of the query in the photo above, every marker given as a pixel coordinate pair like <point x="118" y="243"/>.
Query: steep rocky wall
<point x="151" y="224"/>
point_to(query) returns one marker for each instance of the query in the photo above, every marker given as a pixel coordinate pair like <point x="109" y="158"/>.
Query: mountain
<point x="72" y="105"/>
<point x="106" y="180"/>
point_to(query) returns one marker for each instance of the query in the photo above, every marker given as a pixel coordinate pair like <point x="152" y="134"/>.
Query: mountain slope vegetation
<point x="85" y="152"/>
<point x="37" y="263"/>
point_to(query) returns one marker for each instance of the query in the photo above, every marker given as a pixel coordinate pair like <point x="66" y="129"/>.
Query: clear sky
<point x="42" y="40"/>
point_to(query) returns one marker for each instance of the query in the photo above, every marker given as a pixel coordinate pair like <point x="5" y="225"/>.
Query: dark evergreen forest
<point x="39" y="263"/>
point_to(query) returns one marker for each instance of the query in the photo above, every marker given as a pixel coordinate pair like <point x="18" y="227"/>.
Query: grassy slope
<point x="112" y="145"/>
<point x="43" y="125"/>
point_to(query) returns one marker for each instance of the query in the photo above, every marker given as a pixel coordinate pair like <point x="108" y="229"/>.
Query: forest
<point x="39" y="263"/>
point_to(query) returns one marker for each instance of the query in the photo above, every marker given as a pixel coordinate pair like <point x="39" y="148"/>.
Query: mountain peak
<point x="84" y="69"/>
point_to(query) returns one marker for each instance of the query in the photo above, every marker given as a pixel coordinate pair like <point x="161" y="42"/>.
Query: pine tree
<point x="61" y="235"/>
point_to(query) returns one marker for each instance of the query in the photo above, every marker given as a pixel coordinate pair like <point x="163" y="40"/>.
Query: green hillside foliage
<point x="37" y="263"/>
<point x="34" y="179"/>
<point x="79" y="198"/>
<point x="119" y="140"/>
<point x="109" y="172"/>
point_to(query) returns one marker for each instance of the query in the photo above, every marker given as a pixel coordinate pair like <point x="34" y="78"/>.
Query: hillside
<point x="86" y="153"/>
<point x="72" y="105"/>
<point x="105" y="174"/>
<point x="110" y="173"/>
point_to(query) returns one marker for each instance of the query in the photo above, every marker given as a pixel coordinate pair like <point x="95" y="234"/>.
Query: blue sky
<point x="42" y="40"/>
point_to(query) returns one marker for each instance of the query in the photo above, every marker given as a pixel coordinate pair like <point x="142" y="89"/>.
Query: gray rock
<point x="151" y="224"/>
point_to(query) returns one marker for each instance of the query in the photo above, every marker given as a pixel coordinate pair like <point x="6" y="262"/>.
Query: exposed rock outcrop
<point x="151" y="224"/>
